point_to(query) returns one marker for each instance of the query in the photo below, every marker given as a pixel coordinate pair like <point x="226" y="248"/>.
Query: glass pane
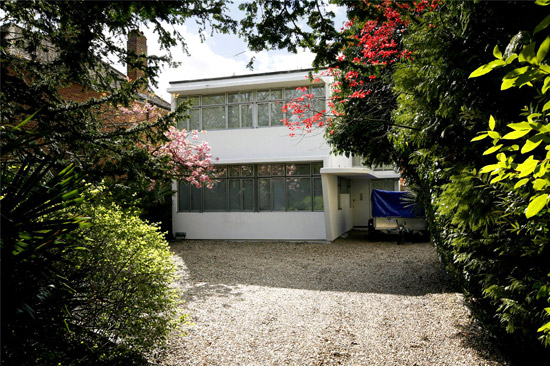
<point x="318" y="90"/>
<point x="194" y="100"/>
<point x="263" y="115"/>
<point x="213" y="118"/>
<point x="194" y="119"/>
<point x="264" y="190"/>
<point x="276" y="94"/>
<point x="299" y="194"/>
<point x="317" y="168"/>
<point x="278" y="169"/>
<point x="264" y="170"/>
<point x="298" y="169"/>
<point x="263" y="95"/>
<point x="383" y="184"/>
<point x="233" y="111"/>
<point x="233" y="98"/>
<point x="291" y="93"/>
<point x="317" y="195"/>
<point x="183" y="196"/>
<point x="234" y="171"/>
<point x="248" y="170"/>
<point x="318" y="106"/>
<point x="277" y="114"/>
<point x="182" y="124"/>
<point x="293" y="118"/>
<point x="247" y="97"/>
<point x="235" y="195"/>
<point x="246" y="114"/>
<point x="248" y="194"/>
<point x="220" y="171"/>
<point x="196" y="205"/>
<point x="213" y="99"/>
<point x="343" y="186"/>
<point x="215" y="199"/>
<point x="278" y="187"/>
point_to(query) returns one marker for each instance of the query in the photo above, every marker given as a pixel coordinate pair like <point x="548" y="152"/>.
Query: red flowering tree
<point x="358" y="115"/>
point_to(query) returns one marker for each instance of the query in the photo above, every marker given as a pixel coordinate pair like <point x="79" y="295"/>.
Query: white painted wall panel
<point x="251" y="225"/>
<point x="269" y="144"/>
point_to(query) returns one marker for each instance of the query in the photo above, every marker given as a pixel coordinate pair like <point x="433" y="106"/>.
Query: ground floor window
<point x="257" y="187"/>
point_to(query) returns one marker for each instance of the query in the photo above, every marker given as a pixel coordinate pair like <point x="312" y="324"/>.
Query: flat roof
<point x="243" y="76"/>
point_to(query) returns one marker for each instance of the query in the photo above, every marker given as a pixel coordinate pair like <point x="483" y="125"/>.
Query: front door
<point x="360" y="199"/>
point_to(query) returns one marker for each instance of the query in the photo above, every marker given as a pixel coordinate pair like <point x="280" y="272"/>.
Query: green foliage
<point x="50" y="46"/>
<point x="494" y="252"/>
<point x="529" y="137"/>
<point x="522" y="170"/>
<point x="36" y="234"/>
<point x="49" y="277"/>
<point x="123" y="283"/>
<point x="114" y="301"/>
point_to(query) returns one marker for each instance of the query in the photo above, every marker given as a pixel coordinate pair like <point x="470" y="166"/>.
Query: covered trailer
<point x="394" y="211"/>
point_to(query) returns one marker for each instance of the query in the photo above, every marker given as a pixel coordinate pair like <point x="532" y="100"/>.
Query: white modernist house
<point x="272" y="186"/>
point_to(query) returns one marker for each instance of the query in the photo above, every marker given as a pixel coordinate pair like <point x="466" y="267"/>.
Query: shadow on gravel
<point x="351" y="264"/>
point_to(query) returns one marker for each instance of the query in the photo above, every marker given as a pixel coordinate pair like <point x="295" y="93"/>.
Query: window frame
<point x="253" y="101"/>
<point x="255" y="178"/>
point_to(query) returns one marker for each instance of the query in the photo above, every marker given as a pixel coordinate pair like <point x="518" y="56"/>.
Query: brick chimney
<point x="137" y="46"/>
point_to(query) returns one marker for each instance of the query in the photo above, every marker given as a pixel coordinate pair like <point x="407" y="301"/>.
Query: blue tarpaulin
<point x="393" y="204"/>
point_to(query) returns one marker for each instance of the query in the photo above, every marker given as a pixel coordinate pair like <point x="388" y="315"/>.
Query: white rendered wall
<point x="257" y="145"/>
<point x="338" y="161"/>
<point x="337" y="221"/>
<point x="268" y="144"/>
<point x="251" y="225"/>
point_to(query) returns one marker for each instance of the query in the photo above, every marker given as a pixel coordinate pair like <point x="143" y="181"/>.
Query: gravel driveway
<point x="350" y="302"/>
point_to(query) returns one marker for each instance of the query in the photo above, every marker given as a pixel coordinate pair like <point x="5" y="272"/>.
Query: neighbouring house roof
<point x="47" y="53"/>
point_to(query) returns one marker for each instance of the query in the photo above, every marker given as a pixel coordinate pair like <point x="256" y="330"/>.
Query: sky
<point x="219" y="56"/>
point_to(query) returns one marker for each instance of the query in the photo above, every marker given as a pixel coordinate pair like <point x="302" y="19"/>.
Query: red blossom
<point x="371" y="42"/>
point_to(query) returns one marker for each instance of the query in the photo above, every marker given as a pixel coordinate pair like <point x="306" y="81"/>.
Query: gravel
<point x="350" y="302"/>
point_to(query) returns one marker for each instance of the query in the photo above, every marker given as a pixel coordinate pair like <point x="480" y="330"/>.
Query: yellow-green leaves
<point x="543" y="50"/>
<point x="536" y="205"/>
<point x="489" y="168"/>
<point x="487" y="68"/>
<point x="492" y="149"/>
<point x="521" y="182"/>
<point x="527" y="167"/>
<point x="531" y="144"/>
<point x="515" y="135"/>
<point x="492" y="123"/>
<point x="497" y="53"/>
<point x="527" y="54"/>
<point x="542" y="25"/>
<point x="480" y="137"/>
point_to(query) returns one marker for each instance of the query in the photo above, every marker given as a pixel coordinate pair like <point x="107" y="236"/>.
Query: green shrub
<point x="123" y="281"/>
<point x="109" y="296"/>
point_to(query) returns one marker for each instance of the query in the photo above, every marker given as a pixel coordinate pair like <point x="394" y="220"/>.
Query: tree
<point x="435" y="112"/>
<point x="64" y="44"/>
<point x="48" y="158"/>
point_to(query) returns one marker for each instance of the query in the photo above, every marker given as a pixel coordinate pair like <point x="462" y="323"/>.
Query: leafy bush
<point x="114" y="301"/>
<point x="521" y="174"/>
<point x="123" y="281"/>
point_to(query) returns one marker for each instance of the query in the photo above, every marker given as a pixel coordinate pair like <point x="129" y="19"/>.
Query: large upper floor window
<point x="247" y="109"/>
<point x="259" y="187"/>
